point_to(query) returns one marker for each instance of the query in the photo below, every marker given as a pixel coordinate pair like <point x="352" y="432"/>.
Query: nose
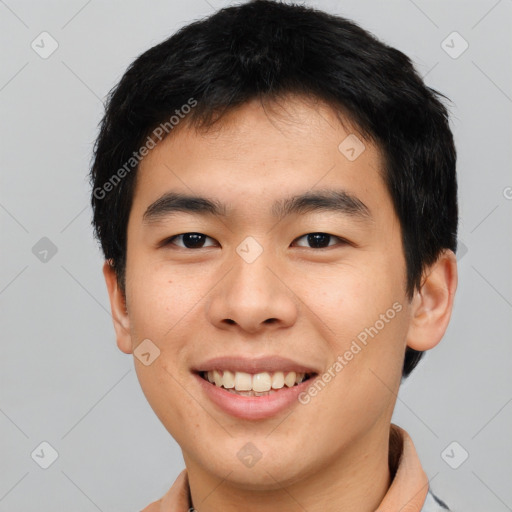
<point x="253" y="297"/>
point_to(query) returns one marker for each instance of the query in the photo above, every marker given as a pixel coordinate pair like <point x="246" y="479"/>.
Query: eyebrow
<point x="335" y="201"/>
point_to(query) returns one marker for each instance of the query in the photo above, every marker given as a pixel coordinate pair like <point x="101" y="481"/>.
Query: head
<point x="250" y="107"/>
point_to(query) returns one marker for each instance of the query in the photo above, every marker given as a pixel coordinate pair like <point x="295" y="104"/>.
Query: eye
<point x="197" y="240"/>
<point x="320" y="240"/>
<point x="189" y="240"/>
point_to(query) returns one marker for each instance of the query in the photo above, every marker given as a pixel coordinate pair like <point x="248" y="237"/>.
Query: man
<point x="274" y="191"/>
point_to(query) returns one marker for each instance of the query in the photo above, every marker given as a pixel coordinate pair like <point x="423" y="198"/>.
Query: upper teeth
<point x="264" y="381"/>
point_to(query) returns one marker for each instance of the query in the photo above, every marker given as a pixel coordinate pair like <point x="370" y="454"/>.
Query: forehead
<point x="260" y="153"/>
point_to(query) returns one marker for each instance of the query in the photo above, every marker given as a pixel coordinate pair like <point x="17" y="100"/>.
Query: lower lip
<point x="253" y="407"/>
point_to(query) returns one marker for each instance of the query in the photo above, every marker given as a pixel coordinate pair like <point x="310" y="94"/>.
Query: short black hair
<point x="267" y="50"/>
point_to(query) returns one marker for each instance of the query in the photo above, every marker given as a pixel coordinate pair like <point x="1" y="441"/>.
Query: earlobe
<point x="120" y="315"/>
<point x="432" y="304"/>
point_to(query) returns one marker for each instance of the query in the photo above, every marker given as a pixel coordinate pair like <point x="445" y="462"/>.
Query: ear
<point x="119" y="311"/>
<point x="432" y="304"/>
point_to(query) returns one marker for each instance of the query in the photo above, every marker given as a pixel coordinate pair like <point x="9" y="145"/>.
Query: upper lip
<point x="253" y="365"/>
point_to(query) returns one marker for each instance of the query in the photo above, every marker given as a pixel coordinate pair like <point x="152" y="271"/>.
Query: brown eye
<point x="190" y="240"/>
<point x="319" y="240"/>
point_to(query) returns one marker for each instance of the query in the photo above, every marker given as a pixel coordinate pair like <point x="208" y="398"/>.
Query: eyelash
<point x="170" y="241"/>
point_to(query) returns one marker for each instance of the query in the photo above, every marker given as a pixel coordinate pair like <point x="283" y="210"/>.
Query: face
<point x="264" y="278"/>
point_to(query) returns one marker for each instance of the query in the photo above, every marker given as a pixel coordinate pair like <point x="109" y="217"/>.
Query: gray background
<point x="62" y="378"/>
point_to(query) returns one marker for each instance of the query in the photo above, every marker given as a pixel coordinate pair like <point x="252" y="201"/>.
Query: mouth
<point x="254" y="388"/>
<point x="255" y="384"/>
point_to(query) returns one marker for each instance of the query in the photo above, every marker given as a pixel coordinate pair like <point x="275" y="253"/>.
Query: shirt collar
<point x="408" y="489"/>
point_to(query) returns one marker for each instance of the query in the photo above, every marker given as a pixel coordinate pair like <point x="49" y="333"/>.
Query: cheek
<point x="165" y="391"/>
<point x="364" y="316"/>
<point x="350" y="298"/>
<point x="162" y="304"/>
<point x="372" y="358"/>
<point x="161" y="297"/>
<point x="366" y="367"/>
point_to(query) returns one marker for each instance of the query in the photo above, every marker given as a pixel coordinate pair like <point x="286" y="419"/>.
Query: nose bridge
<point x="252" y="295"/>
<point x="252" y="283"/>
<point x="252" y="279"/>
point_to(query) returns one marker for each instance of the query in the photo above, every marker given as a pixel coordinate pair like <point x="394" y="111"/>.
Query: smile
<point x="258" y="384"/>
<point x="247" y="403"/>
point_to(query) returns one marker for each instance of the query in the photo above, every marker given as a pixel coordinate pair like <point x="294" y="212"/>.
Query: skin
<point x="331" y="454"/>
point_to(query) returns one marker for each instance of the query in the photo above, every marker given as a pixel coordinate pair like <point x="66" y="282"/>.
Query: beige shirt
<point x="408" y="489"/>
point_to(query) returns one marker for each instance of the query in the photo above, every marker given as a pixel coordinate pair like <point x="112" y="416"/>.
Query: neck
<point x="354" y="481"/>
